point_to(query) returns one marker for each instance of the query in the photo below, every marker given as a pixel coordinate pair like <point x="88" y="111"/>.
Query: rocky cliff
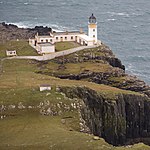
<point x="116" y="120"/>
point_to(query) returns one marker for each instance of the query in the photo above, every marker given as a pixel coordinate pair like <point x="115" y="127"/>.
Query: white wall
<point x="90" y="43"/>
<point x="81" y="41"/>
<point x="92" y="32"/>
<point x="64" y="38"/>
<point x="32" y="42"/>
<point x="11" y="53"/>
<point x="47" y="49"/>
<point x="57" y="38"/>
<point x="45" y="88"/>
<point x="45" y="39"/>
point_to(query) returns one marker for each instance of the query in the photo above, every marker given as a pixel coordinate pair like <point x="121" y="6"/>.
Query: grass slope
<point x="59" y="46"/>
<point x="26" y="128"/>
<point x="21" y="74"/>
<point x="22" y="48"/>
<point x="31" y="131"/>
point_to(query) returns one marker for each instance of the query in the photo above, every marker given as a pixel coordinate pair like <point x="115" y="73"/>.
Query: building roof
<point x="92" y="19"/>
<point x="45" y="85"/>
<point x="10" y="50"/>
<point x="44" y="36"/>
<point x="61" y="33"/>
<point x="85" y="37"/>
<point x="45" y="44"/>
<point x="92" y="16"/>
<point x="67" y="33"/>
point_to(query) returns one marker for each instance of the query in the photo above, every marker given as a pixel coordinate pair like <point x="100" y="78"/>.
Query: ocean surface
<point x="124" y="25"/>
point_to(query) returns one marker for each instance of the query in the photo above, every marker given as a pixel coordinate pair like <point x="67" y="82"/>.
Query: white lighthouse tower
<point x="92" y="28"/>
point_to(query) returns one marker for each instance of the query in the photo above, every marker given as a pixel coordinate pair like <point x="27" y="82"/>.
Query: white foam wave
<point x="111" y="19"/>
<point x="63" y="3"/>
<point x="132" y="70"/>
<point x="27" y="24"/>
<point x="135" y="26"/>
<point x="130" y="66"/>
<point x="137" y="14"/>
<point x="26" y="3"/>
<point x="118" y="14"/>
<point x="19" y="24"/>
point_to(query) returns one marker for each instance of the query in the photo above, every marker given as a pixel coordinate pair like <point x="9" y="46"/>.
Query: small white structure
<point x="85" y="40"/>
<point x="11" y="53"/>
<point x="44" y="43"/>
<point x="45" y="48"/>
<point x="45" y="87"/>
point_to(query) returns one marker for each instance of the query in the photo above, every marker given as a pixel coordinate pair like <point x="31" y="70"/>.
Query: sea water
<point x="124" y="25"/>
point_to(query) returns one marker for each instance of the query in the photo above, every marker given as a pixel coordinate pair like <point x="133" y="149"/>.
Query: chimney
<point x="66" y="32"/>
<point x="51" y="34"/>
<point x="81" y="30"/>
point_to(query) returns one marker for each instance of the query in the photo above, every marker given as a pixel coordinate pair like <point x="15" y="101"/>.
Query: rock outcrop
<point x="12" y="32"/>
<point x="114" y="76"/>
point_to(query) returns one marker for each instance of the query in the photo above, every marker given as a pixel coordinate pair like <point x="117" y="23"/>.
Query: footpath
<point x="52" y="55"/>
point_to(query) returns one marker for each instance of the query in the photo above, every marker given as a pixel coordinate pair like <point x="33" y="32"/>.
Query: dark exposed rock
<point x="12" y="32"/>
<point x="129" y="82"/>
<point x="126" y="117"/>
<point x="41" y="30"/>
<point x="115" y="62"/>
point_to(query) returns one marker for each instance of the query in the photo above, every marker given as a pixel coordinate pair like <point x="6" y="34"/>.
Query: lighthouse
<point x="92" y="28"/>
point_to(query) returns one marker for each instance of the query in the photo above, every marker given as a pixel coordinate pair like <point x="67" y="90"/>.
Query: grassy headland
<point x="47" y="120"/>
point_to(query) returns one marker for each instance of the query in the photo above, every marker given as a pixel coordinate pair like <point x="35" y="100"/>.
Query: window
<point x="65" y="38"/>
<point x="71" y="37"/>
<point x="93" y="30"/>
<point x="51" y="40"/>
<point x="41" y="40"/>
<point x="61" y="39"/>
<point x="46" y="40"/>
<point x="93" y="36"/>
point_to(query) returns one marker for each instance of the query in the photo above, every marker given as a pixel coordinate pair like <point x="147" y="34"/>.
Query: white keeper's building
<point x="46" y="44"/>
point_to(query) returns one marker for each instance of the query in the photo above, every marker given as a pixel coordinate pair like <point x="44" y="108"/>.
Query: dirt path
<point x="53" y="55"/>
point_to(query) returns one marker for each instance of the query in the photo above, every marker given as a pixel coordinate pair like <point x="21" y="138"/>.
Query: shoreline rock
<point x="13" y="32"/>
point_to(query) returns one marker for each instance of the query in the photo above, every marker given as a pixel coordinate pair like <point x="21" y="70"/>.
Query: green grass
<point x="22" y="48"/>
<point x="60" y="46"/>
<point x="21" y="74"/>
<point x="31" y="131"/>
<point x="74" y="68"/>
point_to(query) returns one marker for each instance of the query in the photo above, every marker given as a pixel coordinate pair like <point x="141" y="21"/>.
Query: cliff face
<point x="116" y="120"/>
